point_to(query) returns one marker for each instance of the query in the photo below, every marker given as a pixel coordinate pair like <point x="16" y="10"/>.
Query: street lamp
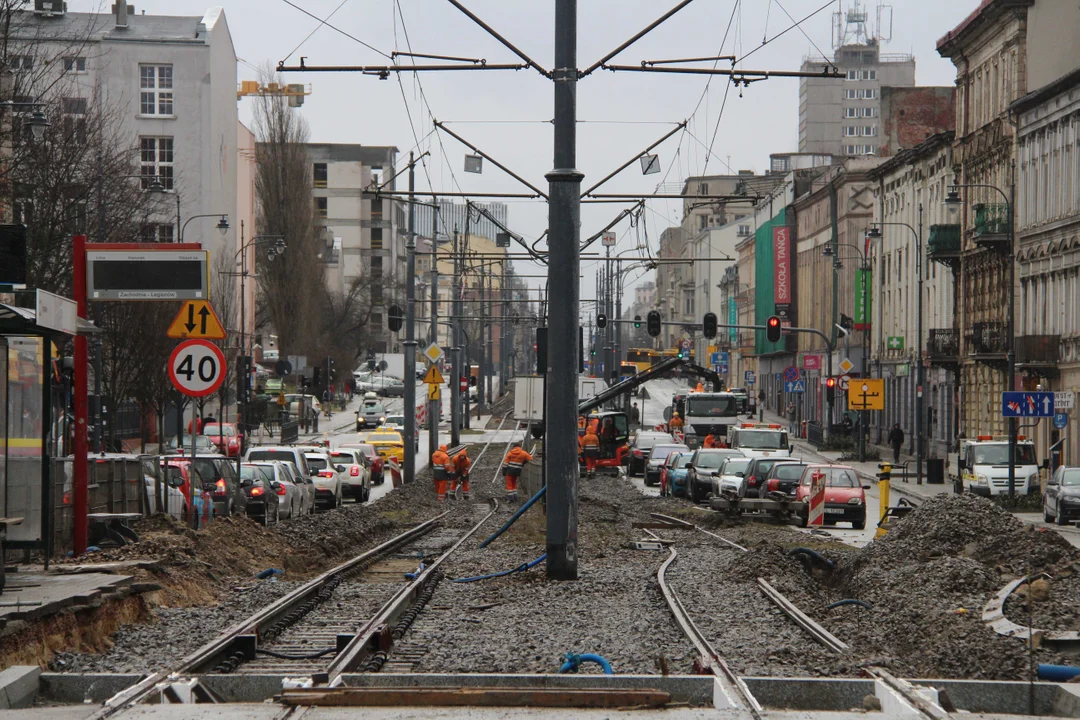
<point x="223" y="223"/>
<point x="874" y="233"/>
<point x="953" y="202"/>
<point x="38" y="123"/>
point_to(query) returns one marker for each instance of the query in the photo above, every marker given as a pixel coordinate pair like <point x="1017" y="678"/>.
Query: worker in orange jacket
<point x="590" y="448"/>
<point x="594" y="425"/>
<point x="581" y="425"/>
<point x="459" y="486"/>
<point x="513" y="464"/>
<point x="676" y="422"/>
<point x="441" y="467"/>
<point x="710" y="441"/>
<point x="699" y="388"/>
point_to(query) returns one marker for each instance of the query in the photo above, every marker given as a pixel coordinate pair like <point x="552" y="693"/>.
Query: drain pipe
<point x="513" y="518"/>
<point x="573" y="662"/>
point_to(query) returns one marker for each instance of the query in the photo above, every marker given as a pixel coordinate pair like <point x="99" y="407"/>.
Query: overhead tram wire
<point x="788" y="29"/>
<point x="332" y="27"/>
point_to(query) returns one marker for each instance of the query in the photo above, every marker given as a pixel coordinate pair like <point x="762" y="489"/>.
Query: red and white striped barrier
<point x="421" y="414"/>
<point x="816" y="512"/>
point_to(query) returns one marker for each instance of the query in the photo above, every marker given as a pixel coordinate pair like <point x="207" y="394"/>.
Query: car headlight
<point x="982" y="480"/>
<point x="382" y="419"/>
<point x="1033" y="479"/>
<point x="855" y="501"/>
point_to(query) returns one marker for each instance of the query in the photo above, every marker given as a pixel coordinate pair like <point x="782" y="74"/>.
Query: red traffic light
<point x="772" y="329"/>
<point x="830" y="382"/>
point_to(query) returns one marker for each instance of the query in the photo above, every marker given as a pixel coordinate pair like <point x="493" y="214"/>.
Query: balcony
<point x="944" y="245"/>
<point x="988" y="343"/>
<point x="992" y="226"/>
<point x="1038" y="354"/>
<point x="943" y="347"/>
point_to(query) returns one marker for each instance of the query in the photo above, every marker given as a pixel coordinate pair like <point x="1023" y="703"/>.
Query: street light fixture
<point x="38" y="123"/>
<point x="223" y="225"/>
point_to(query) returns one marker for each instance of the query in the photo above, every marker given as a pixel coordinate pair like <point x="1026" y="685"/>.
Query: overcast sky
<point x="504" y="112"/>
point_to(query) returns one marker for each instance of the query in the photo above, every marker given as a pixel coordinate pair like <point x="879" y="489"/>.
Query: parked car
<point x="673" y="474"/>
<point x="179" y="475"/>
<point x="640" y="446"/>
<point x="226" y="438"/>
<point x="308" y="402"/>
<point x="291" y="500"/>
<point x="261" y="490"/>
<point x="657" y="455"/>
<point x="327" y="477"/>
<point x="732" y="476"/>
<point x="376" y="462"/>
<point x="177" y="446"/>
<point x="1061" y="499"/>
<point x="392" y="387"/>
<point x="356" y="480"/>
<point x="845" y="498"/>
<point x="372" y="413"/>
<point x="783" y="477"/>
<point x="304" y="484"/>
<point x="703" y="470"/>
<point x="285" y="453"/>
<point x="757" y="471"/>
<point x="219" y="478"/>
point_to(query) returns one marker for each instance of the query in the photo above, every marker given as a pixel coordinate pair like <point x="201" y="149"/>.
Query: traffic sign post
<point x="867" y="394"/>
<point x="798" y="386"/>
<point x="1061" y="420"/>
<point x="791" y="373"/>
<point x="843" y="382"/>
<point x="1027" y="404"/>
<point x="749" y="377"/>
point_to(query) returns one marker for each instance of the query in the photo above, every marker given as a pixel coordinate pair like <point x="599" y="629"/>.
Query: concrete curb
<point x="19" y="686"/>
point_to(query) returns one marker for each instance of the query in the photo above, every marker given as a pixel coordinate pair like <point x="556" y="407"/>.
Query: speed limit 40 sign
<point x="197" y="368"/>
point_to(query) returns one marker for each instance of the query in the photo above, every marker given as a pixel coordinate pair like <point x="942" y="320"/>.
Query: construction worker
<point x="581" y="425"/>
<point x="441" y="467"/>
<point x="459" y="487"/>
<point x="710" y="441"/>
<point x="590" y="449"/>
<point x="594" y="424"/>
<point x="699" y="388"/>
<point x="513" y="463"/>
<point x="676" y="422"/>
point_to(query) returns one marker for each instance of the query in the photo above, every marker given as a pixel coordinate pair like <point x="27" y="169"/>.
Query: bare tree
<point x="292" y="288"/>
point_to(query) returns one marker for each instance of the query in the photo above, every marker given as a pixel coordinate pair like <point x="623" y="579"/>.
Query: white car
<point x="327" y="479"/>
<point x="395" y="422"/>
<point x="292" y="502"/>
<point x="732" y="475"/>
<point x="356" y="480"/>
<point x="760" y="440"/>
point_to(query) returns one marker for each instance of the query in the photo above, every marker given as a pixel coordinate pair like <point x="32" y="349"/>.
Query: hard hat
<point x="674" y="414"/>
<point x="443" y="448"/>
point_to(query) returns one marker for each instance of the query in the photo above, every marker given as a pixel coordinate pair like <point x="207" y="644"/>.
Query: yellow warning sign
<point x="196" y="319"/>
<point x="433" y="377"/>
<point x="434" y="392"/>
<point x="866" y="394"/>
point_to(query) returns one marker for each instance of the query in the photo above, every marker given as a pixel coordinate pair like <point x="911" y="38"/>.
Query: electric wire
<point x="332" y="27"/>
<point x="786" y="30"/>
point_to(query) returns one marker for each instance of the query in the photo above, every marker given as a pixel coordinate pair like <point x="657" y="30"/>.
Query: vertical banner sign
<point x="863" y="280"/>
<point x="816" y="511"/>
<point x="733" y="319"/>
<point x="782" y="271"/>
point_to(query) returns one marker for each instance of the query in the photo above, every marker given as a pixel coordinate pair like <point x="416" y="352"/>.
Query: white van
<point x="756" y="440"/>
<point x="984" y="466"/>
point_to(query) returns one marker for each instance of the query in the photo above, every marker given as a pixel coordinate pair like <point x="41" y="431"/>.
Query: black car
<point x="219" y="478"/>
<point x="1061" y="499"/>
<point x="786" y="475"/>
<point x="757" y="472"/>
<point x="261" y="493"/>
<point x="657" y="457"/>
<point x="640" y="448"/>
<point x="702" y="471"/>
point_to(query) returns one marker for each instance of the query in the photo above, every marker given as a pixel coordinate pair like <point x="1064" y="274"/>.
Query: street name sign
<point x="1064" y="400"/>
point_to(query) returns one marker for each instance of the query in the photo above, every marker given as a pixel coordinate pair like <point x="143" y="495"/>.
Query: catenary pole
<point x="455" y="352"/>
<point x="410" y="334"/>
<point x="564" y="214"/>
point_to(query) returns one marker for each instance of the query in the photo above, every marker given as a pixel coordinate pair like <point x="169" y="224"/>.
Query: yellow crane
<point x="295" y="92"/>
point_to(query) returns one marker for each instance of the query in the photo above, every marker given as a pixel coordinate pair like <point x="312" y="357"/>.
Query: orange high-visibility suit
<point x="441" y="467"/>
<point x="590" y="448"/>
<point x="514" y="462"/>
<point x="460" y="483"/>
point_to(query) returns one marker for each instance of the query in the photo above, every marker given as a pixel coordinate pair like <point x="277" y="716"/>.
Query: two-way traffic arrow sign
<point x="196" y="319"/>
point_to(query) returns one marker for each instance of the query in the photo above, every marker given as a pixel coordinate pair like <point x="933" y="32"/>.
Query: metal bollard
<point x="884" y="482"/>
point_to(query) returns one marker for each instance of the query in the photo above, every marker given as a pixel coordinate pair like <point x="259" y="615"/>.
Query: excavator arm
<point x="657" y="370"/>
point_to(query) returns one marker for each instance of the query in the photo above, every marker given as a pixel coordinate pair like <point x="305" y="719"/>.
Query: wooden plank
<point x="656" y="526"/>
<point x="478" y="697"/>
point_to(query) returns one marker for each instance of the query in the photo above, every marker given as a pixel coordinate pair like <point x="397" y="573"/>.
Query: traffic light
<point x="637" y="322"/>
<point x="317" y="377"/>
<point x="830" y="388"/>
<point x="601" y="321"/>
<point x="653" y="323"/>
<point x="710" y="325"/>
<point x="683" y="354"/>
<point x="772" y="329"/>
<point x="541" y="350"/>
<point x="393" y="318"/>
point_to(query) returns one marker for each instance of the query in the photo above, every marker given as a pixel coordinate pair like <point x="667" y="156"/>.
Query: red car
<point x="226" y="438"/>
<point x="845" y="497"/>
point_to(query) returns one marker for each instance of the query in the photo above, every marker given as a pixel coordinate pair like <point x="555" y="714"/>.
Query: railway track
<point x="345" y="620"/>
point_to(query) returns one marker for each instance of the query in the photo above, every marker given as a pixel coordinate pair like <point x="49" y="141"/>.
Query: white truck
<point x="529" y="396"/>
<point x="756" y="440"/>
<point x="983" y="464"/>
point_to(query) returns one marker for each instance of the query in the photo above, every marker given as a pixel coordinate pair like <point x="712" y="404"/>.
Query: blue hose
<point x="860" y="603"/>
<point x="573" y="662"/>
<point x="1058" y="673"/>
<point x="520" y="568"/>
<point x="816" y="556"/>
<point x="514" y="517"/>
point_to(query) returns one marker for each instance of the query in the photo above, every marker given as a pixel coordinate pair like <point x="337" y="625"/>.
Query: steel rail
<point x="801" y="619"/>
<point x="688" y="525"/>
<point x="221" y="645"/>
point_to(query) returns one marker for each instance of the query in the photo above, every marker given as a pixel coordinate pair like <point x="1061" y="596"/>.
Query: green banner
<point x="863" y="287"/>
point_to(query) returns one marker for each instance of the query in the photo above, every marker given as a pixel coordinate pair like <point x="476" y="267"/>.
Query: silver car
<point x="371" y="414"/>
<point x="327" y="477"/>
<point x="306" y="486"/>
<point x="292" y="502"/>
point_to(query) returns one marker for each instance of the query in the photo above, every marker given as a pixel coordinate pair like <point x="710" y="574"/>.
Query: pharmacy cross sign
<point x="896" y="342"/>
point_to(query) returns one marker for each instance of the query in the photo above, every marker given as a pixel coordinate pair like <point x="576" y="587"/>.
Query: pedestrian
<point x="441" y="467"/>
<point x="635" y="415"/>
<point x="459" y="488"/>
<point x="792" y="413"/>
<point x="327" y="397"/>
<point x="209" y="420"/>
<point x="590" y="449"/>
<point x="514" y="462"/>
<point x="896" y="439"/>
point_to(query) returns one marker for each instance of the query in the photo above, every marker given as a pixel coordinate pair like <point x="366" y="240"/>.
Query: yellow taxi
<point x="388" y="444"/>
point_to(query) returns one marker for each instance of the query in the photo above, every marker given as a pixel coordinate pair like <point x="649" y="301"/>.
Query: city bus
<point x="642" y="358"/>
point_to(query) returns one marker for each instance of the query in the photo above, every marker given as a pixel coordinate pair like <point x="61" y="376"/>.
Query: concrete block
<point x="19" y="686"/>
<point x="720" y="698"/>
<point x="892" y="704"/>
<point x="76" y="689"/>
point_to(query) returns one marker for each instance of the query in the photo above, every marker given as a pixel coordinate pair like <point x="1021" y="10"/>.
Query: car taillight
<point x="637" y="454"/>
<point x="280" y="490"/>
<point x="326" y="473"/>
<point x="219" y="487"/>
<point x="256" y="491"/>
<point x="354" y="470"/>
<point x="774" y="484"/>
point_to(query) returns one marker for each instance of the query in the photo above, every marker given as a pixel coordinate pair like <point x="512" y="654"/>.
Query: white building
<point x="174" y="79"/>
<point x="713" y="251"/>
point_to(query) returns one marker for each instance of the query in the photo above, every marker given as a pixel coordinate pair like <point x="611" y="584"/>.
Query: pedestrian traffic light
<point x="601" y="321"/>
<point x="710" y="325"/>
<point x="637" y="322"/>
<point x="772" y="329"/>
<point x="393" y="318"/>
<point x="653" y="323"/>
<point x="830" y="388"/>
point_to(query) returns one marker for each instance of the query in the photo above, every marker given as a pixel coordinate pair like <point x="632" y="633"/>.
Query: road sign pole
<point x="81" y="471"/>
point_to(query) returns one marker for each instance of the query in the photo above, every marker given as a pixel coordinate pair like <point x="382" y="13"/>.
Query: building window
<point x="851" y="112"/>
<point x="156" y="156"/>
<point x="852" y="74"/>
<point x="376" y="238"/>
<point x="376" y="293"/>
<point x="870" y="94"/>
<point x="21" y="63"/>
<point x="319" y="174"/>
<point x="74" y="110"/>
<point x="156" y="89"/>
<point x="156" y="233"/>
<point x="75" y="64"/>
<point x="321" y="207"/>
<point x="850" y="131"/>
<point x="851" y="94"/>
<point x="703" y="222"/>
<point x="688" y="304"/>
<point x="376" y="266"/>
<point x="703" y="189"/>
<point x="869" y="130"/>
<point x="869" y="112"/>
<point x="869" y="74"/>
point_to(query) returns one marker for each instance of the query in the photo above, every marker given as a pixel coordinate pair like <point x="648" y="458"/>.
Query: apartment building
<point x="674" y="284"/>
<point x="453" y="216"/>
<point x="713" y="251"/>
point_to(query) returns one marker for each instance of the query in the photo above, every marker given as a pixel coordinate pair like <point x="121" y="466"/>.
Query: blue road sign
<point x="799" y="386"/>
<point x="723" y="368"/>
<point x="1061" y="420"/>
<point x="714" y="359"/>
<point x="791" y="373"/>
<point x="749" y="377"/>
<point x="1027" y="404"/>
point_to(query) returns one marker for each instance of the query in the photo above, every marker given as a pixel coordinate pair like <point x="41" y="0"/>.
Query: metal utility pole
<point x="433" y="405"/>
<point x="481" y="397"/>
<point x="455" y="352"/>
<point x="920" y="372"/>
<point x="1010" y="219"/>
<point x="490" y="321"/>
<point x="564" y="216"/>
<point x="410" y="334"/>
<point x="620" y="352"/>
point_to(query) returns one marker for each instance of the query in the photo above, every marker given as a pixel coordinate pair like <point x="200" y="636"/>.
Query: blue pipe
<point x="860" y="603"/>
<point x="815" y="555"/>
<point x="573" y="662"/>
<point x="1057" y="673"/>
<point x="514" y="517"/>
<point x="520" y="568"/>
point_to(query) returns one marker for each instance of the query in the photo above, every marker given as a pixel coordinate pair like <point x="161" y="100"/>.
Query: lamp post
<point x="920" y="373"/>
<point x="952" y="205"/>
<point x="222" y="226"/>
